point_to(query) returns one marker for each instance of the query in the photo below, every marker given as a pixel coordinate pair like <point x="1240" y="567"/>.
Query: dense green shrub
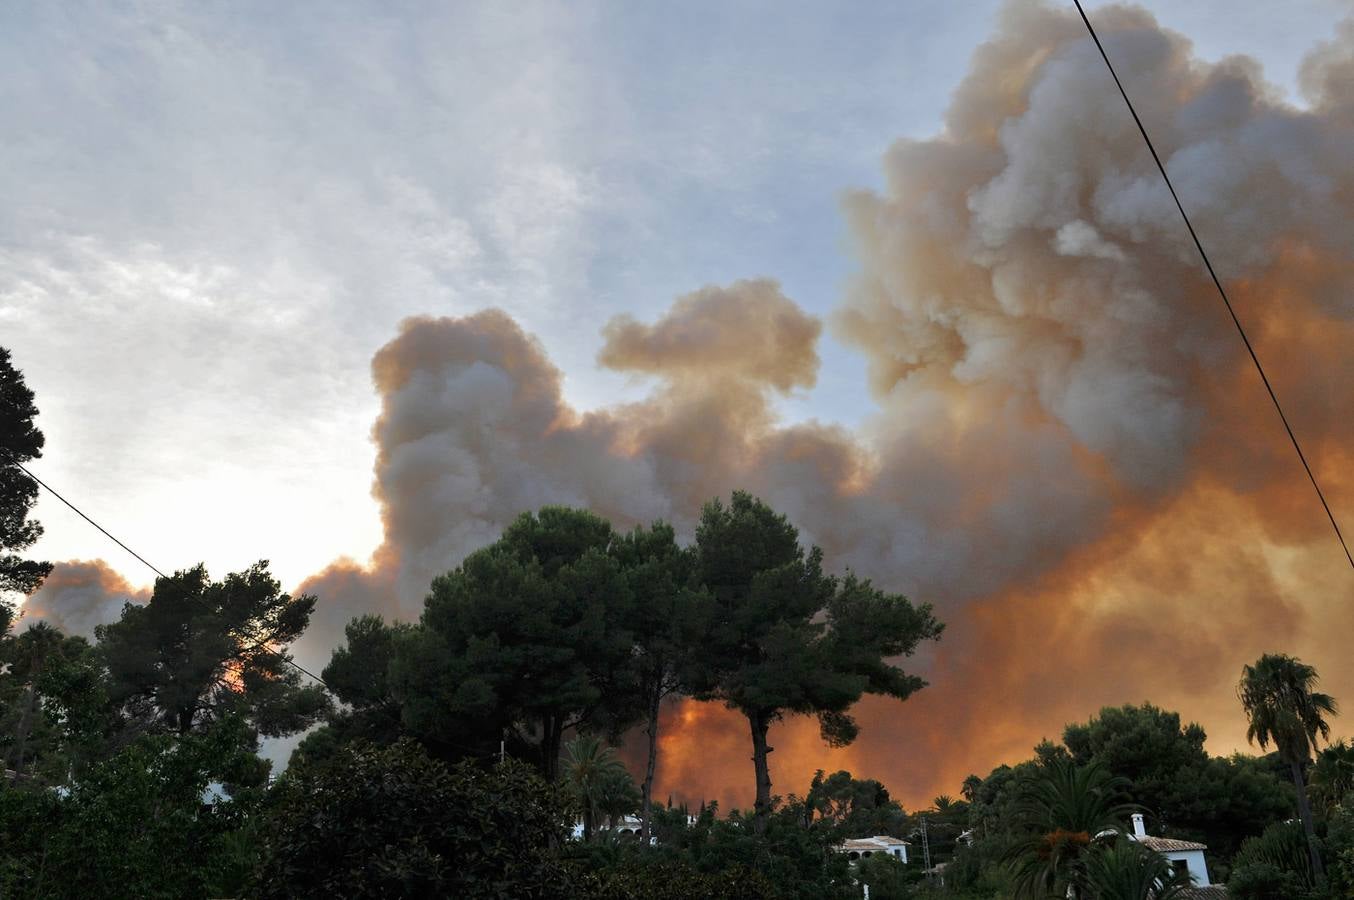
<point x="888" y="878"/>
<point x="1273" y="866"/>
<point x="393" y="822"/>
<point x="145" y="823"/>
<point x="650" y="875"/>
<point x="26" y="819"/>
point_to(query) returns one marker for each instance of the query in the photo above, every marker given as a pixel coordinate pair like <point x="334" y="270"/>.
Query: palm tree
<point x="594" y="775"/>
<point x="1065" y="813"/>
<point x="1127" y="870"/>
<point x="1277" y="694"/>
<point x="972" y="785"/>
<point x="618" y="796"/>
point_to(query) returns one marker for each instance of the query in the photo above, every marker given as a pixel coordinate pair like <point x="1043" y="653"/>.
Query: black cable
<point x="18" y="465"/>
<point x="81" y="514"/>
<point x="1217" y="283"/>
<point x="297" y="666"/>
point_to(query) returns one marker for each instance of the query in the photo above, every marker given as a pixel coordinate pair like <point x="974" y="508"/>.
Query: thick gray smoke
<point x="80" y="595"/>
<point x="1071" y="455"/>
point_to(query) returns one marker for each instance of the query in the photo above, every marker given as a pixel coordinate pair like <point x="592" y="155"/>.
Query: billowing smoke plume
<point x="1072" y="456"/>
<point x="79" y="596"/>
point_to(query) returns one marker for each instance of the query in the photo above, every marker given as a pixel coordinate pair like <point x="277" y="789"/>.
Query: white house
<point x="1186" y="856"/>
<point x="626" y="827"/>
<point x="863" y="848"/>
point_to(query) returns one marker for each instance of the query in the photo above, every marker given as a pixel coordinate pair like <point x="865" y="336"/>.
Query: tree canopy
<point x="200" y="650"/>
<point x="135" y="758"/>
<point x="1182" y="790"/>
<point x="523" y="641"/>
<point x="781" y="636"/>
<point x="145" y="822"/>
<point x="51" y="703"/>
<point x="20" y="441"/>
<point x="852" y="807"/>
<point x="393" y="822"/>
<point x="664" y="621"/>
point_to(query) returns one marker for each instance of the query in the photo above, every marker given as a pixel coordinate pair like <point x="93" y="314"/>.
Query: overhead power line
<point x="79" y="512"/>
<point x="1161" y="167"/>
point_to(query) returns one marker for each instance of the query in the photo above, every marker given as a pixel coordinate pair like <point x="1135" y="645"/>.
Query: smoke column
<point x="1071" y="457"/>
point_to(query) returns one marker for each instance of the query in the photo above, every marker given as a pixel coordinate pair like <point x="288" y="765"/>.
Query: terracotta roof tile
<point x="1212" y="892"/>
<point x="1169" y="845"/>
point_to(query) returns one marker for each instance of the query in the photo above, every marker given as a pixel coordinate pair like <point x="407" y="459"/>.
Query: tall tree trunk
<point x="551" y="738"/>
<point x="22" y="730"/>
<point x="186" y="723"/>
<point x="1305" y="812"/>
<point x="25" y="725"/>
<point x="762" y="807"/>
<point x="646" y="808"/>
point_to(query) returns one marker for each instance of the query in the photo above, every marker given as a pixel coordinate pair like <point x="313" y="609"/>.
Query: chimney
<point x="1138" y="830"/>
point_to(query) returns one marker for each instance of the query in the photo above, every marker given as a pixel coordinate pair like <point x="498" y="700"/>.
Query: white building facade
<point x="864" y="848"/>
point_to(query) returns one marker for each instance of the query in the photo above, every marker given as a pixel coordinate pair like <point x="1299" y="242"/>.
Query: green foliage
<point x="1145" y="745"/>
<point x="27" y="821"/>
<point x="946" y="821"/>
<point x="1125" y="870"/>
<point x="392" y="821"/>
<point x="1234" y="798"/>
<point x="1282" y="706"/>
<point x="1219" y="801"/>
<point x="848" y="807"/>
<point x="359" y="675"/>
<point x="1273" y="866"/>
<point x="663" y="619"/>
<point x="992" y="800"/>
<point x="1265" y="881"/>
<point x="20" y="441"/>
<point x="564" y="625"/>
<point x="1061" y="815"/>
<point x="201" y="650"/>
<point x="1279" y="697"/>
<point x="1333" y="776"/>
<point x="1340" y="849"/>
<point x="783" y="637"/>
<point x="32" y="731"/>
<point x="888" y="878"/>
<point x="979" y="869"/>
<point x="598" y="782"/>
<point x="653" y="876"/>
<point x="1184" y="792"/>
<point x="525" y="638"/>
<point x="798" y="861"/>
<point x="359" y="671"/>
<point x="141" y="824"/>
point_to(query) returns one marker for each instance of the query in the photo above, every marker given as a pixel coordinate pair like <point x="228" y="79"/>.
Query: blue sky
<point x="215" y="214"/>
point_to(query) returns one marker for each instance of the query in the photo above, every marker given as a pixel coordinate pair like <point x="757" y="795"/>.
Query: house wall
<point x="897" y="851"/>
<point x="1195" y="860"/>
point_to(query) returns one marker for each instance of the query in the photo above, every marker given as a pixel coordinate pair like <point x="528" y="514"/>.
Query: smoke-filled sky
<point x="906" y="273"/>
